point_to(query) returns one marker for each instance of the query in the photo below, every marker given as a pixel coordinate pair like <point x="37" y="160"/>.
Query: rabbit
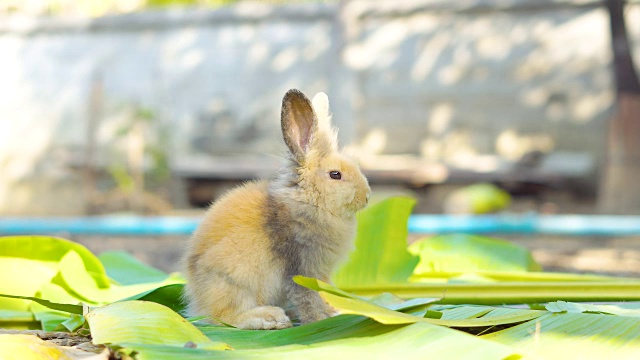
<point x="241" y="259"/>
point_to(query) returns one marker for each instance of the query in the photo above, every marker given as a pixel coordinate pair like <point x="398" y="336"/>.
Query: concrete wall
<point x="481" y="81"/>
<point x="439" y="81"/>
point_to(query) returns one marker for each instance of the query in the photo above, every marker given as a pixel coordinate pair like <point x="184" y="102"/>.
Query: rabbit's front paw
<point x="264" y="318"/>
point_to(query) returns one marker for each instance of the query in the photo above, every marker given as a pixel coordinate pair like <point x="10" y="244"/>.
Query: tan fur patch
<point x="231" y="241"/>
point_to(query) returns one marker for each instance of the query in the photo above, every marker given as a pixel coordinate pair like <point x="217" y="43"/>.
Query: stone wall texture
<point x="451" y="82"/>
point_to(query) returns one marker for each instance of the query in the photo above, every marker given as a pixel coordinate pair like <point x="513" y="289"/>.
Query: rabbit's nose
<point x="368" y="196"/>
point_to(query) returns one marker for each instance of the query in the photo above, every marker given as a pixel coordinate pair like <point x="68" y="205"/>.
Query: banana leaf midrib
<point x="508" y="292"/>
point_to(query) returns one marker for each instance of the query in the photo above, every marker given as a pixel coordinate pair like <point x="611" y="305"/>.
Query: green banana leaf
<point x="48" y="251"/>
<point x="167" y="295"/>
<point x="18" y="320"/>
<point x="512" y="292"/>
<point x="450" y="286"/>
<point x="415" y="341"/>
<point x="67" y="316"/>
<point x="338" y="327"/>
<point x="22" y="277"/>
<point x="82" y="286"/>
<point x="460" y="269"/>
<point x="66" y="273"/>
<point x="508" y="276"/>
<point x="67" y="308"/>
<point x="381" y="255"/>
<point x="470" y="253"/>
<point x="152" y="331"/>
<point x="574" y="336"/>
<point x="144" y="322"/>
<point x="628" y="309"/>
<point x="14" y="315"/>
<point x="349" y="304"/>
<point x="127" y="270"/>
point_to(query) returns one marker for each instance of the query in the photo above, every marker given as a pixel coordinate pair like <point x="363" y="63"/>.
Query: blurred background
<point x="156" y="107"/>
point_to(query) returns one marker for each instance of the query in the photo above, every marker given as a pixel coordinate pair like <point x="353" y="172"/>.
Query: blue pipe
<point x="584" y="225"/>
<point x="100" y="225"/>
<point x="531" y="223"/>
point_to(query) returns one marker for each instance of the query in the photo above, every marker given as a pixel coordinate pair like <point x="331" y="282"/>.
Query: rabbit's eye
<point x="335" y="175"/>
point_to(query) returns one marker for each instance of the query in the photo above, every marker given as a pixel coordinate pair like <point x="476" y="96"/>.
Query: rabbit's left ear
<point x="299" y="123"/>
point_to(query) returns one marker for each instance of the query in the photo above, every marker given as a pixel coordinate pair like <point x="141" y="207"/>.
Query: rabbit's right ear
<point x="299" y="123"/>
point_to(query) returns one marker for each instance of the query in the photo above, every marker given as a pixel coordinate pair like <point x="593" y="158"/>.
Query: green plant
<point x="454" y="312"/>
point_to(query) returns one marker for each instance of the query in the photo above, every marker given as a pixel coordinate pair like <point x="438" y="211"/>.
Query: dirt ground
<point x="604" y="255"/>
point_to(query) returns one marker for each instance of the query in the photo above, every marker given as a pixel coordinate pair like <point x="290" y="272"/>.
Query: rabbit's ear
<point x="321" y="107"/>
<point x="327" y="134"/>
<point x="299" y="123"/>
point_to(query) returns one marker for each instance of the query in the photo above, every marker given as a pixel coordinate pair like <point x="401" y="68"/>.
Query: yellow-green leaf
<point x="127" y="270"/>
<point x="22" y="277"/>
<point x="49" y="249"/>
<point x="470" y="253"/>
<point x="83" y="286"/>
<point x="142" y="322"/>
<point x="415" y="341"/>
<point x="381" y="255"/>
<point x="575" y="336"/>
<point x="512" y="292"/>
<point x="349" y="304"/>
<point x="563" y="306"/>
<point x="30" y="347"/>
<point x="480" y="198"/>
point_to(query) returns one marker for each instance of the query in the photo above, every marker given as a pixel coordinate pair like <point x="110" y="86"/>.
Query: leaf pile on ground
<point x="454" y="297"/>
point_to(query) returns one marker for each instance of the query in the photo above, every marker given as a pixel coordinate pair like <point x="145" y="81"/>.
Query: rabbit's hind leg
<point x="263" y="318"/>
<point x="231" y="303"/>
<point x="245" y="312"/>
